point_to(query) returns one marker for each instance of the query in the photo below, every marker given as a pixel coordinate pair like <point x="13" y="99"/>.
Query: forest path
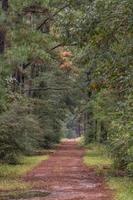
<point x="65" y="176"/>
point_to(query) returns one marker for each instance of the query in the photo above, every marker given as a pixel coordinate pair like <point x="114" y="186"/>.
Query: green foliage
<point x="104" y="34"/>
<point x="18" y="134"/>
<point x="29" y="124"/>
<point x="114" y="114"/>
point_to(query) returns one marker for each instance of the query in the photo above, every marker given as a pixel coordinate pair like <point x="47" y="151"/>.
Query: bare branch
<point x="44" y="89"/>
<point x="55" y="47"/>
<point x="51" y="17"/>
<point x="62" y="45"/>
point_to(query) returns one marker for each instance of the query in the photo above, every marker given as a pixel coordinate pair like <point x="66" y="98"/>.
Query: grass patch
<point x="97" y="157"/>
<point x="8" y="185"/>
<point x="123" y="187"/>
<point x="10" y="174"/>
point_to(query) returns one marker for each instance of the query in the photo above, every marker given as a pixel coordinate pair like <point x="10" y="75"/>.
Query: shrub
<point x="50" y="138"/>
<point x="19" y="134"/>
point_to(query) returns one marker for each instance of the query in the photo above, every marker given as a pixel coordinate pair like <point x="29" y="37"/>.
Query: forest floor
<point x="64" y="176"/>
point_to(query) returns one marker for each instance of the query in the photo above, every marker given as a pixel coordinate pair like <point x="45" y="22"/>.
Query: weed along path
<point x="65" y="177"/>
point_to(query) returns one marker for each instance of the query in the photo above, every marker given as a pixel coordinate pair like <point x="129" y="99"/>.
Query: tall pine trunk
<point x="5" y="5"/>
<point x="2" y="40"/>
<point x="2" y="31"/>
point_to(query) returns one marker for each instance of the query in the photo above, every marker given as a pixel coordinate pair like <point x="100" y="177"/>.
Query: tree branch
<point x="26" y="65"/>
<point x="55" y="47"/>
<point x="61" y="45"/>
<point x="40" y="26"/>
<point x="51" y="17"/>
<point x="44" y="89"/>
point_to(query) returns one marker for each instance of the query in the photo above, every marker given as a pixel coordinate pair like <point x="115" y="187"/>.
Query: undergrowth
<point x="97" y="157"/>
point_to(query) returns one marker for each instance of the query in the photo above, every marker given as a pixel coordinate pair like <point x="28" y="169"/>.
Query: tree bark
<point x="5" y="5"/>
<point x="2" y="41"/>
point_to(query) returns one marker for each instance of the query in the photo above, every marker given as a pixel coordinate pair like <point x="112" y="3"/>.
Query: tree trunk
<point x="2" y="41"/>
<point x="5" y="5"/>
<point x="79" y="128"/>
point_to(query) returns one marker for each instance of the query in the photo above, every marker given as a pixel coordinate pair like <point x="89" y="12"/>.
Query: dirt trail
<point x="66" y="177"/>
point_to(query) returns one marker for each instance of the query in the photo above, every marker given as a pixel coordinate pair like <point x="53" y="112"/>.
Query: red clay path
<point x="66" y="177"/>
